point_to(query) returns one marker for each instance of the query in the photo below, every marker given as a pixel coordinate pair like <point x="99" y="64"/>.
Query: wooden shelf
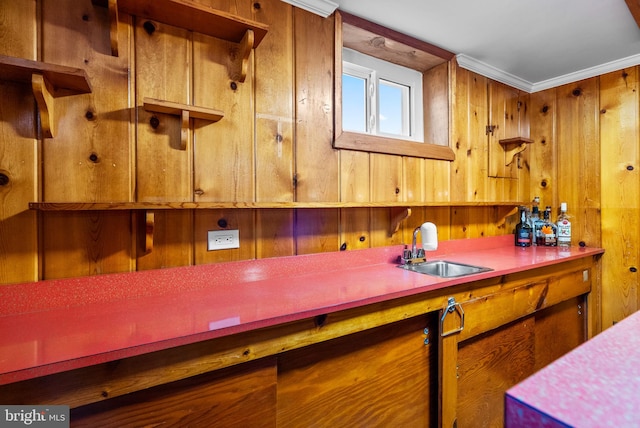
<point x="185" y="112"/>
<point x="400" y="210"/>
<point x="517" y="141"/>
<point x="513" y="147"/>
<point x="97" y="206"/>
<point x="194" y="17"/>
<point x="48" y="81"/>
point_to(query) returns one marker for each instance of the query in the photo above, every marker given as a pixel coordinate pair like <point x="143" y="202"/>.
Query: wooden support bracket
<point x="42" y="91"/>
<point x="184" y="130"/>
<point x="513" y="147"/>
<point x="149" y="222"/>
<point x="185" y="112"/>
<point x="397" y="217"/>
<point x="240" y="62"/>
<point x="113" y="26"/>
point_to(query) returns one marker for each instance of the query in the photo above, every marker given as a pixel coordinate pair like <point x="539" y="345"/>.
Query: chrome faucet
<point x="429" y="235"/>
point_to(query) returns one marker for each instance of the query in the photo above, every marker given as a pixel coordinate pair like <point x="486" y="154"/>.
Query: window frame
<point x="375" y="71"/>
<point x="429" y="57"/>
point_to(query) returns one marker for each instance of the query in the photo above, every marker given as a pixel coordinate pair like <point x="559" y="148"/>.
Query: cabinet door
<point x="381" y="377"/>
<point x="491" y="363"/>
<point x="242" y="395"/>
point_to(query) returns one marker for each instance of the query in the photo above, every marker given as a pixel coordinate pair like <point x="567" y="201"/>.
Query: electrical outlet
<point x="223" y="239"/>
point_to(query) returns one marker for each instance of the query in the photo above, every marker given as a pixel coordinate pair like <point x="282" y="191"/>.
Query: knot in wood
<point x="378" y="41"/>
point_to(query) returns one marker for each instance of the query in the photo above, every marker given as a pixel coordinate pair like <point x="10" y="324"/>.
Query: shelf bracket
<point x="149" y="223"/>
<point x="514" y="154"/>
<point x="185" y="113"/>
<point x="113" y="26"/>
<point x="184" y="130"/>
<point x="513" y="147"/>
<point x="112" y="10"/>
<point x="397" y="217"/>
<point x="240" y="61"/>
<point x="42" y="91"/>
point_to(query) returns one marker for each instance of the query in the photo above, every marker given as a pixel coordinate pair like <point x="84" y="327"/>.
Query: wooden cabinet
<point x="508" y="129"/>
<point x="242" y="395"/>
<point x="383" y="364"/>
<point x="509" y="334"/>
<point x="376" y="378"/>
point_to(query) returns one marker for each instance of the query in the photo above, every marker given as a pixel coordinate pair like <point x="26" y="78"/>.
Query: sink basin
<point x="445" y="269"/>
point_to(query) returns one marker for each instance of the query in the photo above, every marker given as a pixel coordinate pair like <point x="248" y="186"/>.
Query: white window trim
<point x="360" y="65"/>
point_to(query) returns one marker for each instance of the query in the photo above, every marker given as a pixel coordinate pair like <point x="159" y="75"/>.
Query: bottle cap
<point x="563" y="206"/>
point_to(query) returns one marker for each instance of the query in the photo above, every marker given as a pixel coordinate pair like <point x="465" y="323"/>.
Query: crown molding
<point x="587" y="73"/>
<point x="323" y="8"/>
<point x="494" y="73"/>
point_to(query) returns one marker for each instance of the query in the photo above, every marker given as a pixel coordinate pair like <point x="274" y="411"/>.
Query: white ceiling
<point x="529" y="44"/>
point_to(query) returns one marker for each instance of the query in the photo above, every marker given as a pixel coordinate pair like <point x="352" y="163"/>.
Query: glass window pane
<point x="391" y="108"/>
<point x="354" y="110"/>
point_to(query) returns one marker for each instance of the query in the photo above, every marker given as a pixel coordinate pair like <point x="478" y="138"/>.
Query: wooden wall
<point x="274" y="144"/>
<point x="586" y="153"/>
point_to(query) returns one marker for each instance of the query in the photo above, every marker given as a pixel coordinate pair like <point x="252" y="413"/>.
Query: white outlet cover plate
<point x="223" y="239"/>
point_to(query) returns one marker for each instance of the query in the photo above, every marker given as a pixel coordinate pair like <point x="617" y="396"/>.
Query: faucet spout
<point x="429" y="235"/>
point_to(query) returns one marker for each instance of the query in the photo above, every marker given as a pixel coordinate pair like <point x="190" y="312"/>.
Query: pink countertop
<point x="595" y="385"/>
<point x="56" y="325"/>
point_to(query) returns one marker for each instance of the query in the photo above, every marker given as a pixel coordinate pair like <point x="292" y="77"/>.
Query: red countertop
<point x="595" y="385"/>
<point x="56" y="325"/>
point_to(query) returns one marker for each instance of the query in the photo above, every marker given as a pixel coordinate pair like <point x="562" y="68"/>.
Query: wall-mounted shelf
<point x="517" y="141"/>
<point x="514" y="146"/>
<point x="401" y="210"/>
<point x="194" y="17"/>
<point x="48" y="81"/>
<point x="106" y="206"/>
<point x="185" y="112"/>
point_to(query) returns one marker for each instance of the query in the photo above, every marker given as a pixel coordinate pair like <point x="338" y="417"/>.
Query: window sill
<point x="372" y="143"/>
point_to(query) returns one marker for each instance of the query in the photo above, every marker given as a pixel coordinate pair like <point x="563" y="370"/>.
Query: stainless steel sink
<point x="445" y="269"/>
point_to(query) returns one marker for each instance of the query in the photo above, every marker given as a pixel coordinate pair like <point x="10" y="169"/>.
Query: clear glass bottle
<point x="524" y="232"/>
<point x="536" y="224"/>
<point x="548" y="231"/>
<point x="564" y="227"/>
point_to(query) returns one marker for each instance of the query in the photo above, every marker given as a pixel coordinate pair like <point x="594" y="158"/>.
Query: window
<point x="381" y="98"/>
<point x="378" y="108"/>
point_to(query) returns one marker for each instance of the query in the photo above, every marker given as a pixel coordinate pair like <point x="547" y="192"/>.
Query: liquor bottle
<point x="564" y="227"/>
<point x="548" y="231"/>
<point x="536" y="224"/>
<point x="524" y="232"/>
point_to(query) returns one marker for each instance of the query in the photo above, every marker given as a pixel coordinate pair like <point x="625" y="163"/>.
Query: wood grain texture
<point x="620" y="199"/>
<point x="91" y="157"/>
<point x="238" y="396"/>
<point x="361" y="379"/>
<point x="315" y="159"/>
<point x="19" y="150"/>
<point x="274" y="75"/>
<point x="224" y="153"/>
<point x="558" y="330"/>
<point x="489" y="365"/>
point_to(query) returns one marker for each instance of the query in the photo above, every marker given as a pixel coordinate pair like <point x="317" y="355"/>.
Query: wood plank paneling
<point x="544" y="150"/>
<point x="19" y="149"/>
<point x="164" y="171"/>
<point x="315" y="158"/>
<point x="90" y="157"/>
<point x="620" y="200"/>
<point x="578" y="147"/>
<point x="273" y="144"/>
